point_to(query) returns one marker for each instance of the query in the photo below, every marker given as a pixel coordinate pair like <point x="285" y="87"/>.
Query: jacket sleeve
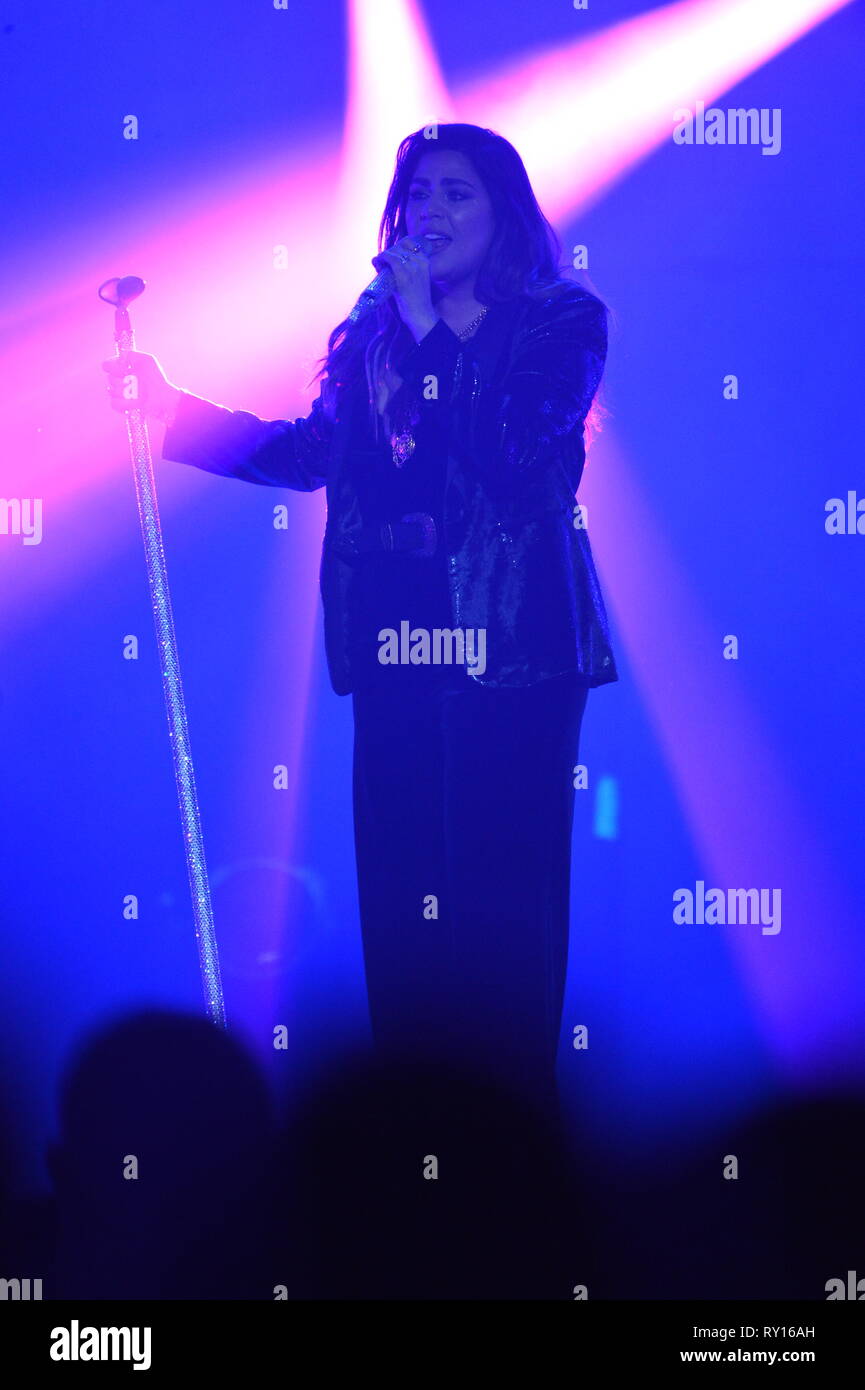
<point x="509" y="428"/>
<point x="236" y="444"/>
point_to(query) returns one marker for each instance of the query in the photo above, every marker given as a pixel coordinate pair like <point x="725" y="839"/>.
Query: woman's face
<point x="447" y="198"/>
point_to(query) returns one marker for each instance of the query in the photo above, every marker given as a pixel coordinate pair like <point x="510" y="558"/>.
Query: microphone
<point x="121" y="290"/>
<point x="382" y="287"/>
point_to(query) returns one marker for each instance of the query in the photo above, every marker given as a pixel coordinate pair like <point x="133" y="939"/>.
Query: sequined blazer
<point x="513" y="399"/>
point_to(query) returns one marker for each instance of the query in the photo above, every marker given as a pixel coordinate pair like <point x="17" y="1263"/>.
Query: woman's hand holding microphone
<point x="136" y="381"/>
<point x="413" y="293"/>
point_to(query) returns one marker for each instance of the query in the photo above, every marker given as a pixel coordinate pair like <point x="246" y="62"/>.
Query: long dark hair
<point x="524" y="255"/>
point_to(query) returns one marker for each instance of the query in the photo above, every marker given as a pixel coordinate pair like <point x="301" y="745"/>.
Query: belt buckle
<point x="429" y="537"/>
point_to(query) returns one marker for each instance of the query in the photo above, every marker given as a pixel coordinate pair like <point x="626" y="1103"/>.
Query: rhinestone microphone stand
<point x="120" y="293"/>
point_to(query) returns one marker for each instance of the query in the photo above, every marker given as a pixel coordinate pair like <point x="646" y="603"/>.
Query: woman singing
<point x="462" y="610"/>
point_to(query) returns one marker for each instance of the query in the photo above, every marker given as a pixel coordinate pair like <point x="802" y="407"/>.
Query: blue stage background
<point x="714" y="261"/>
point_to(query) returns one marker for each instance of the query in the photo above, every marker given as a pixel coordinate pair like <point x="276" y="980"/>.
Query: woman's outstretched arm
<point x="237" y="444"/>
<point x="233" y="443"/>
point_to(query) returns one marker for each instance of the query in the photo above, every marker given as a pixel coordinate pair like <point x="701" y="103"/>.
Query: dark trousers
<point x="463" y="810"/>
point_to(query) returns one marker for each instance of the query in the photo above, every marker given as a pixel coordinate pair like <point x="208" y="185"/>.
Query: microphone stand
<point x="120" y="292"/>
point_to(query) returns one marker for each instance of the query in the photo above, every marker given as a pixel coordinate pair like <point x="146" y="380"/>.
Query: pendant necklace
<point x="403" y="444"/>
